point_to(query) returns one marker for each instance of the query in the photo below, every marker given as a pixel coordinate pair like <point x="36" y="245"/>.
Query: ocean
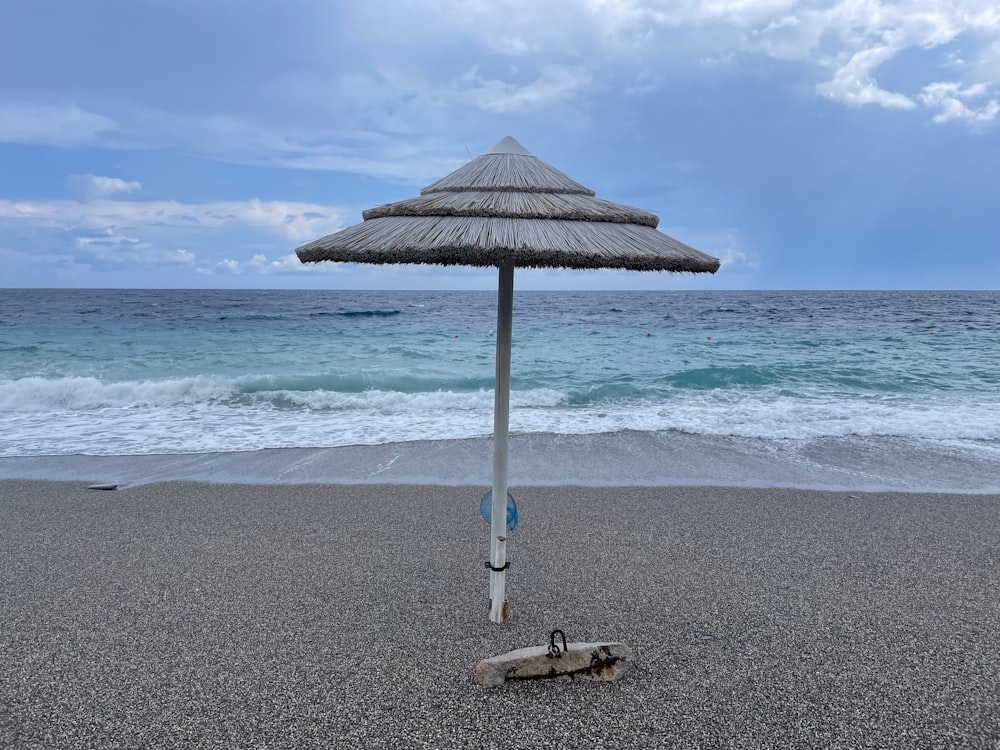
<point x="854" y="390"/>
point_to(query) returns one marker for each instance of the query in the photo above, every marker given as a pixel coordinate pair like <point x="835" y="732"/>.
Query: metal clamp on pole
<point x="497" y="570"/>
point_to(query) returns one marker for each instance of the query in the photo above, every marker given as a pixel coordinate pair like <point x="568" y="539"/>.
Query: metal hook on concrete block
<point x="554" y="651"/>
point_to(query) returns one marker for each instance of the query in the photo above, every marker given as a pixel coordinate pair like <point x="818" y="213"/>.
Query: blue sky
<point x="827" y="145"/>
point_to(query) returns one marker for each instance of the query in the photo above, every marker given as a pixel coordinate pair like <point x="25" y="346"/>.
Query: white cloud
<point x="554" y="85"/>
<point x="108" y="248"/>
<point x="390" y="103"/>
<point x="390" y="163"/>
<point x="289" y="263"/>
<point x="90" y="187"/>
<point x="637" y="46"/>
<point x="627" y="18"/>
<point x="296" y="221"/>
<point x="106" y="238"/>
<point x="397" y="157"/>
<point x="727" y="245"/>
<point x="852" y="82"/>
<point x="851" y="39"/>
<point x="52" y="125"/>
<point x="952" y="101"/>
<point x="734" y="256"/>
<point x="734" y="259"/>
<point x="108" y="234"/>
<point x="854" y="38"/>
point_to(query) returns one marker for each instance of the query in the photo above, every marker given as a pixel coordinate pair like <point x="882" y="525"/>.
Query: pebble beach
<point x="182" y="614"/>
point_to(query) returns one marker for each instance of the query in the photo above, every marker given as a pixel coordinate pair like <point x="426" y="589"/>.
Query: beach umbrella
<point x="507" y="209"/>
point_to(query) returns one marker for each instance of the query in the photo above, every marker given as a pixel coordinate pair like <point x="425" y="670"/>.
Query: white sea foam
<point x="87" y="393"/>
<point x="40" y="416"/>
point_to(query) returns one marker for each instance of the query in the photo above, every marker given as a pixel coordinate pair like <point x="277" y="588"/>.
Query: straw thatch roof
<point x="509" y="206"/>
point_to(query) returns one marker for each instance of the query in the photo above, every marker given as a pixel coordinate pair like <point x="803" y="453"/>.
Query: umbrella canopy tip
<point x="508" y="145"/>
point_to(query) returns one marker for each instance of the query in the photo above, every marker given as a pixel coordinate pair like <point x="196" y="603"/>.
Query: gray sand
<point x="197" y="615"/>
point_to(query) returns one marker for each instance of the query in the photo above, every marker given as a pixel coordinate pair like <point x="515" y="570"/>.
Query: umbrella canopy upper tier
<point x="508" y="206"/>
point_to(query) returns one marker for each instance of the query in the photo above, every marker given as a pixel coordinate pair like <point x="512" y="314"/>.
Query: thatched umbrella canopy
<point x="508" y="209"/>
<point x="508" y="206"/>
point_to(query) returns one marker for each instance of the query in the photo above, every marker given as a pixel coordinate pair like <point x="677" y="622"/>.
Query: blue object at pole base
<point x="486" y="509"/>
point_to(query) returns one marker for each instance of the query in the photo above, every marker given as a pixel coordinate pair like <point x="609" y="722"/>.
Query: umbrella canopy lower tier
<point x="494" y="241"/>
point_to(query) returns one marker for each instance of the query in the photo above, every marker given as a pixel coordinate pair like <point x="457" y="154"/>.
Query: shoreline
<point x="628" y="458"/>
<point x="312" y="615"/>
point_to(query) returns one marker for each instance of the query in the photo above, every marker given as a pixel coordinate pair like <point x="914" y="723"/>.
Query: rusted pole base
<point x="504" y="612"/>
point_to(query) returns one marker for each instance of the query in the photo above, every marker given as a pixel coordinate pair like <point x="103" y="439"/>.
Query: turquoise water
<point x="130" y="372"/>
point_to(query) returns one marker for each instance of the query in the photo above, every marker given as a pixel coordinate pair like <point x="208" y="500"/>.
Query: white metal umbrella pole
<point x="501" y="427"/>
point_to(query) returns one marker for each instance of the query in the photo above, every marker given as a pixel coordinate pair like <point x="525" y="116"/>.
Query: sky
<point x="808" y="144"/>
